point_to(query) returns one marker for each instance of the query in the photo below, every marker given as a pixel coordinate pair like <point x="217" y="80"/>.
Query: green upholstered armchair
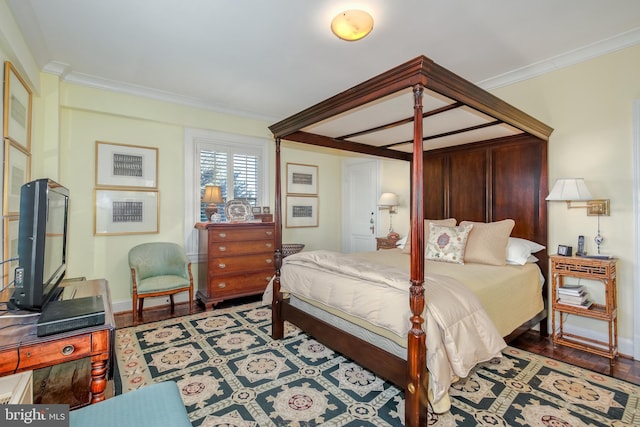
<point x="159" y="269"/>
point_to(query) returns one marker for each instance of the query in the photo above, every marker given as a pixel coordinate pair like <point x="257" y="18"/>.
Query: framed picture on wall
<point x="17" y="108"/>
<point x="126" y="212"/>
<point x="16" y="173"/>
<point x="302" y="211"/>
<point x="302" y="179"/>
<point x="122" y="165"/>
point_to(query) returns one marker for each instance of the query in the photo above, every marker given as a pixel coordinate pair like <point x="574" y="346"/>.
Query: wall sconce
<point x="212" y="195"/>
<point x="575" y="190"/>
<point x="389" y="201"/>
<point x="352" y="25"/>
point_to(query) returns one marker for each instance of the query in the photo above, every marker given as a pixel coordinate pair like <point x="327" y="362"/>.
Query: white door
<point x="360" y="192"/>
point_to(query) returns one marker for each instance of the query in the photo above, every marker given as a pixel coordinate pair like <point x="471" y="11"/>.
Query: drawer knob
<point x="222" y="285"/>
<point x="222" y="248"/>
<point x="268" y="260"/>
<point x="269" y="245"/>
<point x="269" y="233"/>
<point x="68" y="349"/>
<point x="222" y="265"/>
<point x="222" y="235"/>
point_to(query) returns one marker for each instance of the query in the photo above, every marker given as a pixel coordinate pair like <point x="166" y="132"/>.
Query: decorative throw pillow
<point x="519" y="250"/>
<point x="447" y="243"/>
<point x="449" y="222"/>
<point x="488" y="242"/>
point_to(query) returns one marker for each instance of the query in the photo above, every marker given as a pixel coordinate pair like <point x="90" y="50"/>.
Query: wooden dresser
<point x="235" y="260"/>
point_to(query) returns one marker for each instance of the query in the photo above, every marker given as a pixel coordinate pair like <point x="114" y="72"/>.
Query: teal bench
<point x="154" y="405"/>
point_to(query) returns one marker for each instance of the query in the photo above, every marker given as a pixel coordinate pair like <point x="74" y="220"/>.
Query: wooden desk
<point x="21" y="350"/>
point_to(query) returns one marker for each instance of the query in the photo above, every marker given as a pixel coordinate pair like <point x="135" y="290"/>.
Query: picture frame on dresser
<point x="17" y="108"/>
<point x="125" y="165"/>
<point x="302" y="179"/>
<point x="120" y="212"/>
<point x="16" y="173"/>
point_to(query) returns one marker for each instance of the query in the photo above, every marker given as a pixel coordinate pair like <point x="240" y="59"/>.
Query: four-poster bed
<point x="473" y="157"/>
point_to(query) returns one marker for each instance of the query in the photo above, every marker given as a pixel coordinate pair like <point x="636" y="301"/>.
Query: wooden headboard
<point x="490" y="181"/>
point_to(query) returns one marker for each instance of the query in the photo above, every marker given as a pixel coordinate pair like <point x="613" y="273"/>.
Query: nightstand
<point x="600" y="270"/>
<point x="386" y="243"/>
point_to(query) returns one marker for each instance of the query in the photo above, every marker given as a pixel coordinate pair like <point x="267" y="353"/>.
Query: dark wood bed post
<point x="277" y="323"/>
<point x="416" y="391"/>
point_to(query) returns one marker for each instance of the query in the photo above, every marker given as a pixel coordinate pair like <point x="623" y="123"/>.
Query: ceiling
<point x="271" y="59"/>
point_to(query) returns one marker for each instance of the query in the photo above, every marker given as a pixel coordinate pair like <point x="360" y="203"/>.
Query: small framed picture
<point x="16" y="173"/>
<point x="302" y="179"/>
<point x="122" y="165"/>
<point x="17" y="108"/>
<point x="256" y="209"/>
<point x="302" y="211"/>
<point x="126" y="212"/>
<point x="265" y="209"/>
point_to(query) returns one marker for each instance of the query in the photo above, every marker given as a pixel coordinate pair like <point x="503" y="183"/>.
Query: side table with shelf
<point x="601" y="270"/>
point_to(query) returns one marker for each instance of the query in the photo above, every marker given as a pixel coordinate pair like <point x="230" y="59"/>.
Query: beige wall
<point x="90" y="115"/>
<point x="589" y="105"/>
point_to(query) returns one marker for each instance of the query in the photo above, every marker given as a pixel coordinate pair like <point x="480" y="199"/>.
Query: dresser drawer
<point x="223" y="234"/>
<point x="221" y="249"/>
<point x="55" y="351"/>
<point x="240" y="284"/>
<point x="240" y="264"/>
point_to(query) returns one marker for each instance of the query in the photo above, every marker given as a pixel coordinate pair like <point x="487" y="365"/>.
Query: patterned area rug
<point x="231" y="373"/>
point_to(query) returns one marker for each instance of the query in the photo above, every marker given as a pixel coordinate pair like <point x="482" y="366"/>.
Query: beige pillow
<point x="449" y="222"/>
<point x="447" y="243"/>
<point x="487" y="243"/>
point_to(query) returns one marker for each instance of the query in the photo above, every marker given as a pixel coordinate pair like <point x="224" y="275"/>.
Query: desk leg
<point x="98" y="380"/>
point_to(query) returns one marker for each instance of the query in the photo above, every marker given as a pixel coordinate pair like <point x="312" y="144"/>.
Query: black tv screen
<point x="42" y="243"/>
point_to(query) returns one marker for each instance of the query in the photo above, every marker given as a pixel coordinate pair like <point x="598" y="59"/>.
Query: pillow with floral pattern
<point x="447" y="244"/>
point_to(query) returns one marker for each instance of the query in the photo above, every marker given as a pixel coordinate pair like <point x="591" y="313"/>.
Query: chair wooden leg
<point x="172" y="304"/>
<point x="134" y="311"/>
<point x="140" y="305"/>
<point x="191" y="301"/>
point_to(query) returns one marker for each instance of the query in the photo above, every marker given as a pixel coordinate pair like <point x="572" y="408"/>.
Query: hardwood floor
<point x="625" y="368"/>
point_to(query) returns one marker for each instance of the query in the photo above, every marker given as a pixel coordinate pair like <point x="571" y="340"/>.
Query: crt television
<point x="42" y="243"/>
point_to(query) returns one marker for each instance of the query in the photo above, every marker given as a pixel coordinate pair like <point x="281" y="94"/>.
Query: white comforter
<point x="459" y="332"/>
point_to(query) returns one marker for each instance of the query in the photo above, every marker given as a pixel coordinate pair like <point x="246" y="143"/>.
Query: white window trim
<point x="193" y="139"/>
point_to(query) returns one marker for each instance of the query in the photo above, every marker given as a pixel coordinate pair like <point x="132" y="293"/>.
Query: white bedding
<point x="460" y="334"/>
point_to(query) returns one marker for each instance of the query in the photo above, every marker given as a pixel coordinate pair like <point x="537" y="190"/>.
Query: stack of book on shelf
<point x="574" y="295"/>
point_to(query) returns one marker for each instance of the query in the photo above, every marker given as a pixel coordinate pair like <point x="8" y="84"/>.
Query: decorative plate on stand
<point x="238" y="210"/>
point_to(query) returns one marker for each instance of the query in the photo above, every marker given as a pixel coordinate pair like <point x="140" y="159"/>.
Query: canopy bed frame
<point x="473" y="157"/>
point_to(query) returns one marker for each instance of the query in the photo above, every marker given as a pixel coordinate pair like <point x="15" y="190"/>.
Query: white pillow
<point x="400" y="243"/>
<point x="519" y="250"/>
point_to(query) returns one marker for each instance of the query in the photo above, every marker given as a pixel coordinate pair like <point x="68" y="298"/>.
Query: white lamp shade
<point x="569" y="189"/>
<point x="388" y="199"/>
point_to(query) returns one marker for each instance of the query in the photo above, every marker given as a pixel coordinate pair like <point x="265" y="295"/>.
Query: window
<point x="236" y="173"/>
<point x="238" y="164"/>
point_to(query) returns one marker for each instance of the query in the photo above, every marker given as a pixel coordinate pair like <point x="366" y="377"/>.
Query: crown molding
<point x="599" y="48"/>
<point x="66" y="74"/>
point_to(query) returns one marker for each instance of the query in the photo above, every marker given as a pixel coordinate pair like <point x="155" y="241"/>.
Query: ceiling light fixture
<point x="352" y="25"/>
